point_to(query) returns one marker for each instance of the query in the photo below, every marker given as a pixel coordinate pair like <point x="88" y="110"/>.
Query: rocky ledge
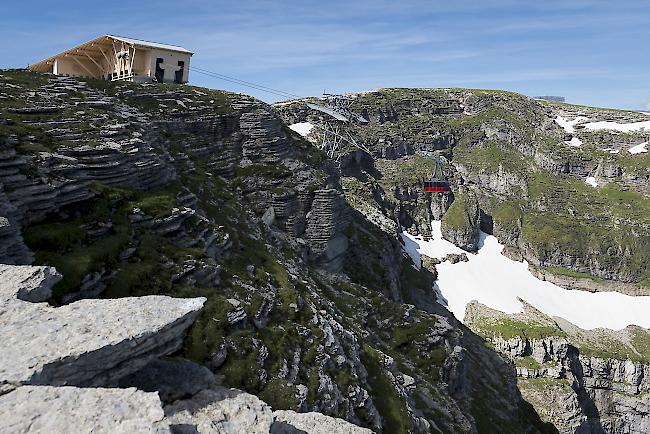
<point x="111" y="348"/>
<point x="47" y="409"/>
<point x="86" y="343"/>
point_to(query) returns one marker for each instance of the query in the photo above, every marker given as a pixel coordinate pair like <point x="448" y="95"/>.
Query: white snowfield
<point x="496" y="281"/>
<point x="638" y="149"/>
<point x="569" y="126"/>
<point x="591" y="181"/>
<point x="615" y="126"/>
<point x="302" y="128"/>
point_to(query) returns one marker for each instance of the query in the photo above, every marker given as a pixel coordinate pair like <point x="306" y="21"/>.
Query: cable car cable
<point x="260" y="87"/>
<point x="226" y="77"/>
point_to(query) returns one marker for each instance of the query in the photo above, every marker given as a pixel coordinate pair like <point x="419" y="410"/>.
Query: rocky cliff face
<point x="175" y="191"/>
<point x="461" y="223"/>
<point x="103" y="343"/>
<point x="528" y="174"/>
<point x="565" y="199"/>
<point x="581" y="381"/>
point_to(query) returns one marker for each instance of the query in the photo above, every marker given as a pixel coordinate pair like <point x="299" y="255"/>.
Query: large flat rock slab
<point x="290" y="422"/>
<point x="46" y="409"/>
<point x="222" y="411"/>
<point x="86" y="343"/>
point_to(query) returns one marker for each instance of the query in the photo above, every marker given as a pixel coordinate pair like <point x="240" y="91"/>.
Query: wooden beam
<point x="90" y="74"/>
<point x="109" y="64"/>
<point x="132" y="59"/>
<point x="105" y="56"/>
<point x="98" y="65"/>
<point x="116" y="64"/>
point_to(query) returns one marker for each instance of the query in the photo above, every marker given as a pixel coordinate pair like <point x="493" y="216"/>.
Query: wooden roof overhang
<point x="104" y="47"/>
<point x="95" y="50"/>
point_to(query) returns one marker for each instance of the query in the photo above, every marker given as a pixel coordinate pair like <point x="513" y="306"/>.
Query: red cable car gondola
<point x="437" y="183"/>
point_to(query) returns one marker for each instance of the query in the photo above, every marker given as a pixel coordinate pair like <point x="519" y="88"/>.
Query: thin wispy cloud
<point x="591" y="51"/>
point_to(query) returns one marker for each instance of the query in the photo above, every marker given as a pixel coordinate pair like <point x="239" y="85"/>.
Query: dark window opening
<point x="160" y="72"/>
<point x="179" y="74"/>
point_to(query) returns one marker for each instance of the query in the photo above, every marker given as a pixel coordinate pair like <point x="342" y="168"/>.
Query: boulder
<point x="290" y="422"/>
<point x="86" y="343"/>
<point x="221" y="410"/>
<point x="52" y="410"/>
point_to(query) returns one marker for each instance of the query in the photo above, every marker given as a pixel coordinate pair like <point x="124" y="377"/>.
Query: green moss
<point x="82" y="260"/>
<point x="24" y="78"/>
<point x="242" y="367"/>
<point x="405" y="171"/>
<point x="55" y="237"/>
<point x="605" y="347"/>
<point x="461" y="215"/>
<point x="403" y="335"/>
<point x="640" y="340"/>
<point x="508" y="328"/>
<point x="528" y="362"/>
<point x="208" y="331"/>
<point x="489" y="156"/>
<point x="279" y="395"/>
<point x="255" y="252"/>
<point x="389" y="404"/>
<point x="507" y="215"/>
<point x="157" y="206"/>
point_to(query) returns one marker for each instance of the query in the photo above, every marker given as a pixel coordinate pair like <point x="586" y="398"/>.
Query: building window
<point x="180" y="72"/>
<point x="160" y="72"/>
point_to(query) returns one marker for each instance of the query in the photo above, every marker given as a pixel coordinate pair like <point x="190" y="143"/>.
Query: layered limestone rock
<point x="588" y="284"/>
<point x="273" y="324"/>
<point x="264" y="139"/>
<point x="50" y="347"/>
<point x="12" y="247"/>
<point x="58" y="410"/>
<point x="326" y="225"/>
<point x="195" y="402"/>
<point x="288" y="212"/>
<point x="586" y="381"/>
<point x="86" y="343"/>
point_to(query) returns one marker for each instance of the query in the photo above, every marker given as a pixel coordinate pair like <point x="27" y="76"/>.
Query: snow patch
<point x="642" y="147"/>
<point x="615" y="126"/>
<point x="574" y="142"/>
<point x="496" y="281"/>
<point x="568" y="125"/>
<point x="591" y="181"/>
<point x="302" y="128"/>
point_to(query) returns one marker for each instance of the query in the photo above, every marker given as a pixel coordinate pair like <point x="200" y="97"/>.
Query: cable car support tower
<point x="332" y="126"/>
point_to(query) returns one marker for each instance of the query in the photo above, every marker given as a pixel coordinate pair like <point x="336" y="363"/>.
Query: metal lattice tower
<point x="333" y="133"/>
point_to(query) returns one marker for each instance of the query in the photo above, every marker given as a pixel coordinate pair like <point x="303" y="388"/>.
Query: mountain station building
<point x="114" y="58"/>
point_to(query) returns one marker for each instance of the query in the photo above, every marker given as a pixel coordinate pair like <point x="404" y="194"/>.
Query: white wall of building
<point x="170" y="63"/>
<point x="66" y="65"/>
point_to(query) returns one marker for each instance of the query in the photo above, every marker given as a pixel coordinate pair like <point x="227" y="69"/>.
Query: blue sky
<point x="592" y="52"/>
